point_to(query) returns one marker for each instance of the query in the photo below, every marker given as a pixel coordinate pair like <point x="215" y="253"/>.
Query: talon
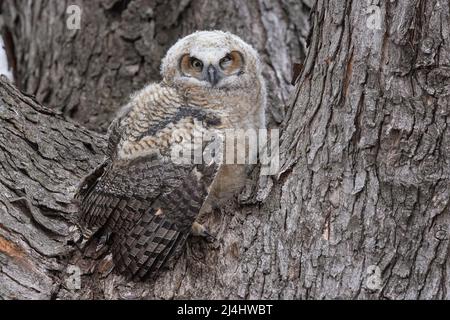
<point x="206" y="234"/>
<point x="200" y="230"/>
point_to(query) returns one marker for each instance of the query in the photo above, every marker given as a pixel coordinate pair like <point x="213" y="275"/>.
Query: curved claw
<point x="200" y="230"/>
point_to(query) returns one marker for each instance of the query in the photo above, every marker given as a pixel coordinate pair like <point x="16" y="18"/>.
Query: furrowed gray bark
<point x="42" y="158"/>
<point x="366" y="150"/>
<point x="364" y="182"/>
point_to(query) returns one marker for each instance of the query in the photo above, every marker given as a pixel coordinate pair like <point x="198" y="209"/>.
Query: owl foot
<point x="200" y="230"/>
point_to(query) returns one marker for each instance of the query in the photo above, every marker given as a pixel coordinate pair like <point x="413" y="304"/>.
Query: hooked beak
<point x="212" y="75"/>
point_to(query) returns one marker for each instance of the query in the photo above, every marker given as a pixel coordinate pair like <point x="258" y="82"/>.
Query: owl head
<point x="211" y="59"/>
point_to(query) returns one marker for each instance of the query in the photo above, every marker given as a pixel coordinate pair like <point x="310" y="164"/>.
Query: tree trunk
<point x="358" y="210"/>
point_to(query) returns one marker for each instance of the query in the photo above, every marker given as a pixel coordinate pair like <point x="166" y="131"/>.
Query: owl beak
<point x="213" y="76"/>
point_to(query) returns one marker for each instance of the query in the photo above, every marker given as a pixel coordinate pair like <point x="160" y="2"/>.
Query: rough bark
<point x="89" y="73"/>
<point x="364" y="181"/>
<point x="366" y="177"/>
<point x="42" y="158"/>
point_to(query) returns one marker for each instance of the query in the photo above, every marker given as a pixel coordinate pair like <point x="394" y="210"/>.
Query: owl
<point x="143" y="201"/>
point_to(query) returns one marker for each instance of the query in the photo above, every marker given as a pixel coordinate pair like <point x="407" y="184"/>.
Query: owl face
<point x="211" y="59"/>
<point x="212" y="67"/>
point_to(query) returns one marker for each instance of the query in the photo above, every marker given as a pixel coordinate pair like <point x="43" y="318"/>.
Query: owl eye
<point x="196" y="64"/>
<point x="225" y="61"/>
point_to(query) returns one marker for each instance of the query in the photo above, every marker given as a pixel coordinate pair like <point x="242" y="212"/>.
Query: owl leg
<point x="200" y="230"/>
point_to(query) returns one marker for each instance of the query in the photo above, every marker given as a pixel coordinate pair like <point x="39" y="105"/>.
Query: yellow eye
<point x="225" y="61"/>
<point x="196" y="64"/>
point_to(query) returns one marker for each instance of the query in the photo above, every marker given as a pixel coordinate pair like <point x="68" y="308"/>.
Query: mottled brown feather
<point x="122" y="196"/>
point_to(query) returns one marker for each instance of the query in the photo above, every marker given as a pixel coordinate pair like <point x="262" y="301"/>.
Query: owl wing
<point x="147" y="204"/>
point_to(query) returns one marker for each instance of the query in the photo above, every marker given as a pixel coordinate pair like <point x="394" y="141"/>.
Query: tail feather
<point x="171" y="251"/>
<point x="146" y="247"/>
